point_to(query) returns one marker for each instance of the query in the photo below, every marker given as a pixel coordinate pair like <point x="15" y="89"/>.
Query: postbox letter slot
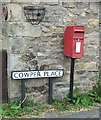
<point x="77" y="31"/>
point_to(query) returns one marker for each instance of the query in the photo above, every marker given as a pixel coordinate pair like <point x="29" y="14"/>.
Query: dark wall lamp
<point x="34" y="14"/>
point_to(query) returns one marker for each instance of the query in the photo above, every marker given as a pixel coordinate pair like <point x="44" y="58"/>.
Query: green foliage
<point x="11" y="110"/>
<point x="27" y="111"/>
<point x="59" y="105"/>
<point x="31" y="103"/>
<point x="84" y="101"/>
<point x="14" y="110"/>
<point x="96" y="92"/>
<point x="80" y="100"/>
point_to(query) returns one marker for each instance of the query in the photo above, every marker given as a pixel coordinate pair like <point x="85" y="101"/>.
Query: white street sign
<point x="36" y="74"/>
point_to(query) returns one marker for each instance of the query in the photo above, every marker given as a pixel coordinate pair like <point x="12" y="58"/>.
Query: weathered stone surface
<point x="6" y="1"/>
<point x="89" y="49"/>
<point x="83" y="14"/>
<point x="94" y="22"/>
<point x="15" y="64"/>
<point x="88" y="30"/>
<point x="52" y="2"/>
<point x="27" y="56"/>
<point x="40" y="89"/>
<point x="94" y="6"/>
<point x="91" y="66"/>
<point x="14" y="12"/>
<point x="62" y="90"/>
<point x="16" y="45"/>
<point x="82" y="20"/>
<point x="69" y="4"/>
<point x="81" y="71"/>
<point x="24" y="29"/>
<point x="24" y="1"/>
<point x="82" y="6"/>
<point x="60" y="84"/>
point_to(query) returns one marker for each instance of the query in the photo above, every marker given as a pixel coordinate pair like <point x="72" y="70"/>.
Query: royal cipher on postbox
<point x="74" y="41"/>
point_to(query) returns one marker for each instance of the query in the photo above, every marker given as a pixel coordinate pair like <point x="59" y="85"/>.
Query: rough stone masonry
<point x="40" y="47"/>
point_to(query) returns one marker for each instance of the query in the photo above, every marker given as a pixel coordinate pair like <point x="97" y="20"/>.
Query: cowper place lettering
<point x="36" y="74"/>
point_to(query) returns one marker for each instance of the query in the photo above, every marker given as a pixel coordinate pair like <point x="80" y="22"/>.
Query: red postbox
<point x="74" y="41"/>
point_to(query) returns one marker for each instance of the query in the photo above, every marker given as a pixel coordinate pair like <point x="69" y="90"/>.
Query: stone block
<point x="82" y="20"/>
<point x="60" y="84"/>
<point x="50" y="2"/>
<point x="71" y="4"/>
<point x="91" y="66"/>
<point x="83" y="14"/>
<point x="14" y="88"/>
<point x="47" y="34"/>
<point x="94" y="6"/>
<point x="88" y="50"/>
<point x="88" y="30"/>
<point x="80" y="71"/>
<point x="76" y="77"/>
<point x="24" y="29"/>
<point x="47" y="30"/>
<point x="62" y="90"/>
<point x="16" y="45"/>
<point x="7" y="1"/>
<point x="80" y="66"/>
<point x="13" y="62"/>
<point x="93" y="22"/>
<point x="81" y="5"/>
<point x="14" y="12"/>
<point x="24" y="1"/>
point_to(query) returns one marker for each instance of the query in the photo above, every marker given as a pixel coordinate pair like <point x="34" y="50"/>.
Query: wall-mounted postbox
<point x="74" y="41"/>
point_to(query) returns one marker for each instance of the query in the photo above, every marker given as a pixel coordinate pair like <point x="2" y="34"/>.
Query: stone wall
<point x="40" y="47"/>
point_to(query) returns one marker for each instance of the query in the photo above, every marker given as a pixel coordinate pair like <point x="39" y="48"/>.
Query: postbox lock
<point x="78" y="39"/>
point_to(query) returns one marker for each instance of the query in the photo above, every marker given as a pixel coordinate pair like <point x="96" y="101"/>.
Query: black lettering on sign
<point x="26" y="74"/>
<point x="53" y="73"/>
<point x="31" y="74"/>
<point x="21" y="75"/>
<point x="46" y="74"/>
<point x="38" y="74"/>
<point x="34" y="74"/>
<point x="16" y="75"/>
<point x="59" y="73"/>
